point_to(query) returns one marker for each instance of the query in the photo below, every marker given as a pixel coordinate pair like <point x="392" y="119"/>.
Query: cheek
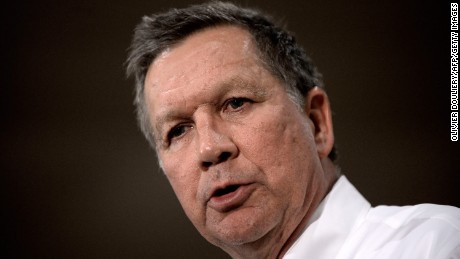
<point x="279" y="143"/>
<point x="184" y="182"/>
<point x="276" y="136"/>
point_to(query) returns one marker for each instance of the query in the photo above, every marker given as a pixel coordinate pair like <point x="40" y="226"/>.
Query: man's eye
<point x="177" y="131"/>
<point x="236" y="103"/>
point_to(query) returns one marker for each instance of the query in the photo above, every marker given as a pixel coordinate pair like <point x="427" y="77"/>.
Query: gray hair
<point x="277" y="49"/>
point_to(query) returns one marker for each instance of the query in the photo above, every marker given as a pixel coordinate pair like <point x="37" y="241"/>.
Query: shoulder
<point x="397" y="217"/>
<point x="420" y="231"/>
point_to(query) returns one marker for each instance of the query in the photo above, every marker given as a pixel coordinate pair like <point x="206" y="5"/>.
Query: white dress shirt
<point x="346" y="226"/>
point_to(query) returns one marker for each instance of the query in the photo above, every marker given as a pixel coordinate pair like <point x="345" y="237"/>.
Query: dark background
<point x="81" y="182"/>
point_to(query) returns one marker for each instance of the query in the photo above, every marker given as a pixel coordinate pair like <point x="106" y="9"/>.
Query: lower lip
<point x="231" y="200"/>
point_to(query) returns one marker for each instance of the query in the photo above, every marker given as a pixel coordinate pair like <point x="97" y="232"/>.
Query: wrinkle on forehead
<point x="236" y="83"/>
<point x="205" y="47"/>
<point x="196" y="62"/>
<point x="205" y="50"/>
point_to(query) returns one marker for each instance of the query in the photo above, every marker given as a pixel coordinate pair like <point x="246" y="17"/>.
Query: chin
<point x="244" y="228"/>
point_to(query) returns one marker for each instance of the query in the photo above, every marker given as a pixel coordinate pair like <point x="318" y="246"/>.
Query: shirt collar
<point x="341" y="210"/>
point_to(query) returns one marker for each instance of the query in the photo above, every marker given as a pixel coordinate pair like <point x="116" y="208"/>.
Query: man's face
<point x="239" y="154"/>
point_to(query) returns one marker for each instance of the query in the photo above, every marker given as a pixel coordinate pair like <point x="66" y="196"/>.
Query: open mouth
<point x="230" y="197"/>
<point x="223" y="191"/>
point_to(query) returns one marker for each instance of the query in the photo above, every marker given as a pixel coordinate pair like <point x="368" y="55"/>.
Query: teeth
<point x="226" y="190"/>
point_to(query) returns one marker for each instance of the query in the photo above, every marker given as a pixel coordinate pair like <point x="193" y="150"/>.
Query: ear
<point x="318" y="110"/>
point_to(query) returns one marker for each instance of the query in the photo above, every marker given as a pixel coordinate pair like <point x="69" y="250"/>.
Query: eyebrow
<point x="236" y="82"/>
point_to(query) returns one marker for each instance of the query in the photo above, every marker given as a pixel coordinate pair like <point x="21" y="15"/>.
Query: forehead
<point x="208" y="49"/>
<point x="198" y="67"/>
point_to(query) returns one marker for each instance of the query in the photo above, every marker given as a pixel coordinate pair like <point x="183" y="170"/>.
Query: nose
<point x="214" y="145"/>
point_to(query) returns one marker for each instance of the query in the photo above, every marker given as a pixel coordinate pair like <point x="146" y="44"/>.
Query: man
<point x="242" y="128"/>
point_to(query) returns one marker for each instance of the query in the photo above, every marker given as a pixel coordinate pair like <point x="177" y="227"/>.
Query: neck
<point x="277" y="242"/>
<point x="331" y="174"/>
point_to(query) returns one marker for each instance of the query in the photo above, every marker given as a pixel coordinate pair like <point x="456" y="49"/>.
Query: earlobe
<point x="319" y="112"/>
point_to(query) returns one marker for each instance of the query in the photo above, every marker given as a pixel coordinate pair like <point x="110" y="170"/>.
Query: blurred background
<point x="81" y="182"/>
